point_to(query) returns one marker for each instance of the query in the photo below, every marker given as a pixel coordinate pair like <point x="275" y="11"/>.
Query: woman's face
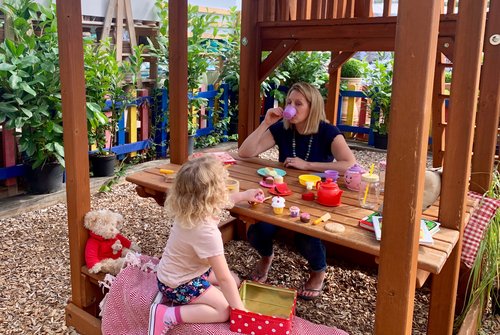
<point x="299" y="101"/>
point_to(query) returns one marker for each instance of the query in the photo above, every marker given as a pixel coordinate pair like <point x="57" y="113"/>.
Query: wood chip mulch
<point x="35" y="286"/>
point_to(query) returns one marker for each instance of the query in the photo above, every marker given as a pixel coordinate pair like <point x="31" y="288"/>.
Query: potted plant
<point x="30" y="90"/>
<point x="351" y="73"/>
<point x="379" y="90"/>
<point x="108" y="95"/>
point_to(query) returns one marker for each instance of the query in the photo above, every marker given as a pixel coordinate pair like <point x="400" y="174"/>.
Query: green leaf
<point x="59" y="149"/>
<point x="14" y="81"/>
<point x="7" y="108"/>
<point x="6" y="67"/>
<point x="27" y="89"/>
<point x="26" y="112"/>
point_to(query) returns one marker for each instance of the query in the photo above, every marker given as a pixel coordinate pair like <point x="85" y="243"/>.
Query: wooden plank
<point x="269" y="11"/>
<point x="469" y="325"/>
<point x="83" y="322"/>
<point x="341" y="8"/>
<point x="8" y="152"/>
<point x="250" y="54"/>
<point x="331" y="9"/>
<point x="485" y="136"/>
<point x="108" y="19"/>
<point x="315" y="9"/>
<point x="349" y="10"/>
<point x="69" y="17"/>
<point x="301" y="10"/>
<point x="261" y="11"/>
<point x="363" y="8"/>
<point x="274" y="59"/>
<point x="451" y="6"/>
<point x="178" y="85"/>
<point x="119" y="30"/>
<point x="340" y="60"/>
<point x="456" y="171"/>
<point x="387" y="8"/>
<point x="292" y="8"/>
<point x="416" y="47"/>
<point x="446" y="46"/>
<point x="283" y="10"/>
<point x="352" y="44"/>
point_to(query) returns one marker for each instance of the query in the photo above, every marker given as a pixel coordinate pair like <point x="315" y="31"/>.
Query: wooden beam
<point x="352" y="44"/>
<point x="485" y="136"/>
<point x="340" y="60"/>
<point x="119" y="30"/>
<point x="446" y="45"/>
<point x="178" y="84"/>
<point x="274" y="59"/>
<point x="363" y="8"/>
<point x="250" y="55"/>
<point x="415" y="56"/>
<point x="387" y="8"/>
<point x="456" y="170"/>
<point x="332" y="103"/>
<point x="69" y="21"/>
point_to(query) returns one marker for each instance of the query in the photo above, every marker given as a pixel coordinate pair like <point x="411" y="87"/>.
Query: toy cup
<point x="289" y="112"/>
<point x="233" y="186"/>
<point x="332" y="174"/>
<point x="294" y="211"/>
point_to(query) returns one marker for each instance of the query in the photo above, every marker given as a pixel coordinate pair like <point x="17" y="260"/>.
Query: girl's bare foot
<point x="259" y="273"/>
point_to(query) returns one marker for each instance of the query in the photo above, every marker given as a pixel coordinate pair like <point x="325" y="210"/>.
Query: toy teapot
<point x="329" y="193"/>
<point x="352" y="177"/>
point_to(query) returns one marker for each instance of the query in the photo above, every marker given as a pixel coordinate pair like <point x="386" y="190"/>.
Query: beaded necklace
<point x="308" y="146"/>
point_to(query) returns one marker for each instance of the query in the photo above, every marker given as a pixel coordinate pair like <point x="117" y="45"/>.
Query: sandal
<point x="317" y="292"/>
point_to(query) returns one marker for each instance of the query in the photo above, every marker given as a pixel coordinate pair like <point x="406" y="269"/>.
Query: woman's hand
<point x="297" y="163"/>
<point x="273" y="115"/>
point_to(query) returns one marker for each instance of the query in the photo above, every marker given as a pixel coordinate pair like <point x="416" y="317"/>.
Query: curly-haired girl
<point x="193" y="259"/>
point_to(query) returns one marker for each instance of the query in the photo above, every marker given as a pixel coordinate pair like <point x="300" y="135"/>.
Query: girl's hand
<point x="254" y="195"/>
<point x="296" y="162"/>
<point x="273" y="115"/>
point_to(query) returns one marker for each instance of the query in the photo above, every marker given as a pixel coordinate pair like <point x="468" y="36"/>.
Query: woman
<point x="305" y="142"/>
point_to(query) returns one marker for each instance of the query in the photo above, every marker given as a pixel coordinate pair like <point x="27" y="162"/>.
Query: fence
<point x="134" y="132"/>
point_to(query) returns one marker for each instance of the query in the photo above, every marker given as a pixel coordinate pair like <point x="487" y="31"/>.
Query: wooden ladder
<point x="123" y="10"/>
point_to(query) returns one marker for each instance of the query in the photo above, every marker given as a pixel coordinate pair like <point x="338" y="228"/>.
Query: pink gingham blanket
<point x="125" y="309"/>
<point x="478" y="223"/>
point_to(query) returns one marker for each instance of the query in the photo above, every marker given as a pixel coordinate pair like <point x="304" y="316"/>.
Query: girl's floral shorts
<point x="186" y="293"/>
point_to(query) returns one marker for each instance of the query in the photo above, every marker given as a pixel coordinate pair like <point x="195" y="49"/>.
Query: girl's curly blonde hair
<point x="198" y="192"/>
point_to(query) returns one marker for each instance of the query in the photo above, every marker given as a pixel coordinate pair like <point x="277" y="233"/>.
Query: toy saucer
<point x="264" y="184"/>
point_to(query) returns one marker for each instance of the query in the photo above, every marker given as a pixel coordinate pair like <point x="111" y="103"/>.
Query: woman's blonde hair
<point x="316" y="106"/>
<point x="198" y="192"/>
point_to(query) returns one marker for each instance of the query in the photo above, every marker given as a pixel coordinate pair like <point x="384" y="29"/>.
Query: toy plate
<point x="262" y="172"/>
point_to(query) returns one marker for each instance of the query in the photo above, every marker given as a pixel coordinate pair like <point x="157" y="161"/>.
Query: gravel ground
<point x="34" y="268"/>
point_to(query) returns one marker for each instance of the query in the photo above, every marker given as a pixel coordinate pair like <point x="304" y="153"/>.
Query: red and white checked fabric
<point x="126" y="308"/>
<point x="478" y="223"/>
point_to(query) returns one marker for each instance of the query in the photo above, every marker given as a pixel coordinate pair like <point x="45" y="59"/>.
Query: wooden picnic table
<point x="431" y="258"/>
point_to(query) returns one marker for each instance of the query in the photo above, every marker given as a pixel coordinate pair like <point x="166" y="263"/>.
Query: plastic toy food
<point x="278" y="203"/>
<point x="294" y="211"/>
<point x="305" y="217"/>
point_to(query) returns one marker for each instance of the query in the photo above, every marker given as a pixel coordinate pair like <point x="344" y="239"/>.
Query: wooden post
<point x="485" y="136"/>
<point x="415" y="54"/>
<point x="178" y="86"/>
<point x="457" y="156"/>
<point x="438" y="111"/>
<point x="76" y="155"/>
<point x="249" y="101"/>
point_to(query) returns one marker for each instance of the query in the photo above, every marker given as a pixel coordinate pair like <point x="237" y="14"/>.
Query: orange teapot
<point x="329" y="193"/>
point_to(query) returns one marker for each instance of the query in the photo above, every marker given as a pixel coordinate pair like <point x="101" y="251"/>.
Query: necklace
<point x="308" y="147"/>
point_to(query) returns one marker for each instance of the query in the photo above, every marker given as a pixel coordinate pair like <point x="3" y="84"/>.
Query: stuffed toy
<point x="106" y="248"/>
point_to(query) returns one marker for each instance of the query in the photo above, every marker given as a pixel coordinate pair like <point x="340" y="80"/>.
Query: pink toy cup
<point x="289" y="112"/>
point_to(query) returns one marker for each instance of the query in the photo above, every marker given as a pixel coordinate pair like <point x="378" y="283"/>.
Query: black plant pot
<point x="190" y="144"/>
<point x="44" y="179"/>
<point x="103" y="165"/>
<point x="380" y="141"/>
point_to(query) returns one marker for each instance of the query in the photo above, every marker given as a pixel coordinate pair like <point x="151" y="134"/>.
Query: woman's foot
<point x="259" y="273"/>
<point x="313" y="288"/>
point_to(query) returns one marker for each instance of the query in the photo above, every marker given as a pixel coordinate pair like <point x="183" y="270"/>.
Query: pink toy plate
<point x="264" y="184"/>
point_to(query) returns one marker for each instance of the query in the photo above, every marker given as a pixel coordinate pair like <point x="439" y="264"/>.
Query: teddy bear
<point x="106" y="248"/>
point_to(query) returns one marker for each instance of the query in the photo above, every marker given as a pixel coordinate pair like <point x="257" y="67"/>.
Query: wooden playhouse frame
<point x="420" y="35"/>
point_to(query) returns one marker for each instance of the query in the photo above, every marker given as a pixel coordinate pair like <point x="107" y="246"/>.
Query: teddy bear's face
<point x="104" y="223"/>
